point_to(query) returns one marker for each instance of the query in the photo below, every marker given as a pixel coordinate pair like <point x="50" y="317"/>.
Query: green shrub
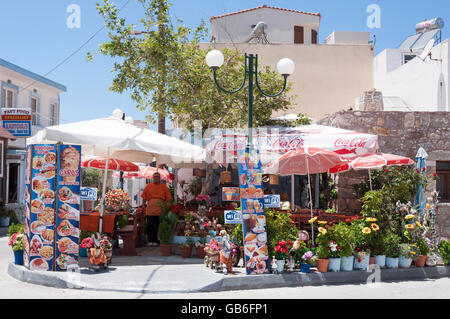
<point x="165" y="232"/>
<point x="280" y="227"/>
<point x="392" y="245"/>
<point x="14" y="228"/>
<point x="444" y="251"/>
<point x="236" y="235"/>
<point x="422" y="245"/>
<point x="409" y="251"/>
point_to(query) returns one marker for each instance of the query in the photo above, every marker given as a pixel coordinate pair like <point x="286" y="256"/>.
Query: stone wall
<point x="400" y="133"/>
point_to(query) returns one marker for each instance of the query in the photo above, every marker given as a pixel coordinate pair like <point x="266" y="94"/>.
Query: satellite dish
<point x="427" y="51"/>
<point x="258" y="33"/>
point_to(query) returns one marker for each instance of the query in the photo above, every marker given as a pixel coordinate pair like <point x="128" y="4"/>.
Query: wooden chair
<point x="128" y="234"/>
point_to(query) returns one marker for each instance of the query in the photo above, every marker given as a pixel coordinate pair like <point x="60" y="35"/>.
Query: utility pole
<point x="162" y="15"/>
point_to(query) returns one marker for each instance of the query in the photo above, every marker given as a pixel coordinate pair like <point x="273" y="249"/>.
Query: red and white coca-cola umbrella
<point x="147" y="173"/>
<point x="305" y="161"/>
<point x="113" y="164"/>
<point x="272" y="142"/>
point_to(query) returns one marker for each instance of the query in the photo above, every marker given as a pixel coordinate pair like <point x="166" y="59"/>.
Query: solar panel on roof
<point x="424" y="39"/>
<point x="409" y="41"/>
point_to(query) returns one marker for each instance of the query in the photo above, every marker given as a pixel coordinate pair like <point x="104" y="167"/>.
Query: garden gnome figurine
<point x="225" y="253"/>
<point x="97" y="258"/>
<point x="274" y="265"/>
<point x="291" y="264"/>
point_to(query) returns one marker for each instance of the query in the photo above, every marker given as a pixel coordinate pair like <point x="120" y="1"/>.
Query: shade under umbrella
<point x="147" y="172"/>
<point x="113" y="164"/>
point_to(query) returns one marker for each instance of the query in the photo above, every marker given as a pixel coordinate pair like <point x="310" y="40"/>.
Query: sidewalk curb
<point x="243" y="282"/>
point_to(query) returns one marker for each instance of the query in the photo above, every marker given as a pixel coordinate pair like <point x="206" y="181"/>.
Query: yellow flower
<point x="410" y="226"/>
<point x="371" y="219"/>
<point x="322" y="230"/>
<point x="312" y="220"/>
<point x="322" y="222"/>
<point x="409" y="216"/>
<point x="366" y="230"/>
<point x="413" y="252"/>
<point x="418" y="224"/>
<point x="375" y="227"/>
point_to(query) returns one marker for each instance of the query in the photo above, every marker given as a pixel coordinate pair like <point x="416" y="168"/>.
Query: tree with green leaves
<point x="164" y="69"/>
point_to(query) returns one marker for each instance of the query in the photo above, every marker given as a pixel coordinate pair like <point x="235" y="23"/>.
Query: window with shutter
<point x="313" y="36"/>
<point x="299" y="36"/>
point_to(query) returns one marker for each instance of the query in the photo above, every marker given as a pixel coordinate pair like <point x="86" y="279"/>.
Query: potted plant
<point x="200" y="247"/>
<point x="107" y="248"/>
<point x="16" y="242"/>
<point x="408" y="252"/>
<point x="424" y="249"/>
<point x="342" y="236"/>
<point x="281" y="253"/>
<point x="307" y="260"/>
<point x="165" y="235"/>
<point x="186" y="247"/>
<point x="361" y="232"/>
<point x="444" y="251"/>
<point x="322" y="250"/>
<point x="391" y="244"/>
<point x="85" y="246"/>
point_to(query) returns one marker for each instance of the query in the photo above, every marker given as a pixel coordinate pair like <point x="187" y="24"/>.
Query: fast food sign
<point x="17" y="121"/>
<point x="252" y="210"/>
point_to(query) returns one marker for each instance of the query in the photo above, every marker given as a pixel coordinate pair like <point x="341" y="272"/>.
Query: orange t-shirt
<point x="155" y="193"/>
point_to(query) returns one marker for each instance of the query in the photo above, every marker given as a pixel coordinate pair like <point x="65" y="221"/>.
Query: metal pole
<point x="370" y="180"/>
<point x="102" y="206"/>
<point x="250" y="100"/>
<point x="310" y="201"/>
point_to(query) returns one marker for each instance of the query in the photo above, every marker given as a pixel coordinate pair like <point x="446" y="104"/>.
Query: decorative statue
<point x="291" y="264"/>
<point x="97" y="256"/>
<point x="429" y="215"/>
<point x="274" y="265"/>
<point x="225" y="253"/>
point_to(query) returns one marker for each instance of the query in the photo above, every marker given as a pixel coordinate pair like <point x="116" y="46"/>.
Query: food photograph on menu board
<point x="41" y="193"/>
<point x="253" y="216"/>
<point x="67" y="206"/>
<point x="27" y="201"/>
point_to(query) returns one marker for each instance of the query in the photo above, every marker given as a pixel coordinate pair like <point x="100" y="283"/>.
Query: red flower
<point x="339" y="247"/>
<point x="423" y="169"/>
<point x="360" y="259"/>
<point x="434" y="174"/>
<point x="417" y="171"/>
<point x="290" y="243"/>
<point x="386" y="170"/>
<point x="347" y="220"/>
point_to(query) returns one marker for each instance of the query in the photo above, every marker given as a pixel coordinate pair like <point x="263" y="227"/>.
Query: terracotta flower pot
<point x="372" y="260"/>
<point x="200" y="252"/>
<point x="165" y="249"/>
<point x="322" y="265"/>
<point x="420" y="262"/>
<point x="186" y="252"/>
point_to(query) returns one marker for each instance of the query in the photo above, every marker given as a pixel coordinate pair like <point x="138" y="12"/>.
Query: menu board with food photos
<point x="27" y="199"/>
<point x="52" y="195"/>
<point x="41" y="193"/>
<point x="68" y="189"/>
<point x="253" y="216"/>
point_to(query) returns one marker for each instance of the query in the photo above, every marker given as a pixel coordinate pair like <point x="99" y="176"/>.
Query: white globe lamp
<point x="214" y="59"/>
<point x="285" y="67"/>
<point x="117" y="113"/>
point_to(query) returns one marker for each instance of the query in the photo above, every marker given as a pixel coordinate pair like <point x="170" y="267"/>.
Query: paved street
<point x="12" y="288"/>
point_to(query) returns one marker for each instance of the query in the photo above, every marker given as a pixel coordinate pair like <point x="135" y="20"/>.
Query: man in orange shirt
<point x="153" y="194"/>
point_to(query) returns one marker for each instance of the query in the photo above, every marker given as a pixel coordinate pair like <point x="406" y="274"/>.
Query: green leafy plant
<point x="16" y="241"/>
<point x="392" y="245"/>
<point x="409" y="251"/>
<point x="14" y="228"/>
<point x="422" y="245"/>
<point x="236" y="235"/>
<point x="165" y="232"/>
<point x="280" y="227"/>
<point x="444" y="251"/>
<point x="189" y="242"/>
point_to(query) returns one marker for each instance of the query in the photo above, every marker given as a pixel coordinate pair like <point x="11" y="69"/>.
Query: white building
<point x="327" y="76"/>
<point x="409" y="83"/>
<point x="21" y="88"/>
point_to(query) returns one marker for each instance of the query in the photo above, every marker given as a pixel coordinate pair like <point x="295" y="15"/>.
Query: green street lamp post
<point x="215" y="59"/>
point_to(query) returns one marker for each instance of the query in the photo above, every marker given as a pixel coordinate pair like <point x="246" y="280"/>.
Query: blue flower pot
<point x="404" y="262"/>
<point x="391" y="262"/>
<point x="334" y="264"/>
<point x="4" y="221"/>
<point x="347" y="263"/>
<point x="306" y="268"/>
<point x="363" y="264"/>
<point x="380" y="260"/>
<point x="82" y="252"/>
<point x="18" y="257"/>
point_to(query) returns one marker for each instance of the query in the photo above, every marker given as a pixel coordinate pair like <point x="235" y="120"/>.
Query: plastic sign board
<point x="253" y="216"/>
<point x="233" y="217"/>
<point x="231" y="194"/>
<point x="88" y="193"/>
<point x="17" y="121"/>
<point x="272" y="201"/>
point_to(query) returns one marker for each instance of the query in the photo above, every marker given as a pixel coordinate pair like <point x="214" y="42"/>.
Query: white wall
<point x="348" y="37"/>
<point x="237" y="28"/>
<point x="418" y="83"/>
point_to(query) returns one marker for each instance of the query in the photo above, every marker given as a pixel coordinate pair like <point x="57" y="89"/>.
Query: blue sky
<point x="35" y="36"/>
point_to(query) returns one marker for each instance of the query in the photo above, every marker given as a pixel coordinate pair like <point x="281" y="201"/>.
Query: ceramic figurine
<point x="225" y="253"/>
<point x="291" y="264"/>
<point x="97" y="256"/>
<point x="274" y="265"/>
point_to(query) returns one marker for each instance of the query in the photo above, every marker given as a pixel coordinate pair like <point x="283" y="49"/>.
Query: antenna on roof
<point x="259" y="33"/>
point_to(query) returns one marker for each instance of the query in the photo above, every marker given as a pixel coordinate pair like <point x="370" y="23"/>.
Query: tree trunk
<point x="206" y="186"/>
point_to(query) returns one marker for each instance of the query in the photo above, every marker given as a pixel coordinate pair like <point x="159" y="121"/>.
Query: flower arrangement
<point x="203" y="200"/>
<point x="334" y="250"/>
<point x="409" y="251"/>
<point x="308" y="257"/>
<point x="116" y="199"/>
<point x="282" y="250"/>
<point x="106" y="243"/>
<point x="297" y="251"/>
<point x="87" y="243"/>
<point x="176" y="208"/>
<point x="16" y="241"/>
<point x="213" y="247"/>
